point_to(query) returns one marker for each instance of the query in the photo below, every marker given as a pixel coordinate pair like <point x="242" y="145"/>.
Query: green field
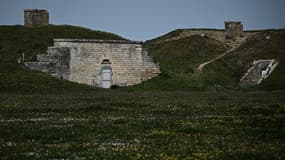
<point x="143" y="125"/>
<point x="181" y="114"/>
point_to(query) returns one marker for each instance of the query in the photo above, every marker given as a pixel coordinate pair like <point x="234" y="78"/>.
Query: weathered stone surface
<point x="260" y="70"/>
<point x="233" y="30"/>
<point x="56" y="62"/>
<point x="89" y="62"/>
<point x="36" y="17"/>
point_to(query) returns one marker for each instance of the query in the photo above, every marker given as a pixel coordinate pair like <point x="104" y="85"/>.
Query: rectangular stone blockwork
<point x="36" y="17"/>
<point x="89" y="61"/>
<point x="233" y="30"/>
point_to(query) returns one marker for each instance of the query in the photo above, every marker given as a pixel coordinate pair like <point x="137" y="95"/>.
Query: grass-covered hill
<point x="72" y="121"/>
<point x="268" y="44"/>
<point x="177" y="55"/>
<point x="183" y="33"/>
<point x="15" y="40"/>
<point x="179" y="58"/>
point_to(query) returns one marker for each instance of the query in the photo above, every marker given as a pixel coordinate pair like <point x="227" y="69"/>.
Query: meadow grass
<point x="168" y="117"/>
<point x="118" y="124"/>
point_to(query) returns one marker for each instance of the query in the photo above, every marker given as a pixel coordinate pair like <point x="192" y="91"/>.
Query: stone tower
<point x="36" y="17"/>
<point x="233" y="30"/>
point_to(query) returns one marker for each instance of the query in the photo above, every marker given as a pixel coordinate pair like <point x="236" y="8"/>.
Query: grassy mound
<point x="231" y="68"/>
<point x="73" y="121"/>
<point x="178" y="60"/>
<point x="176" y="34"/>
<point x="15" y="40"/>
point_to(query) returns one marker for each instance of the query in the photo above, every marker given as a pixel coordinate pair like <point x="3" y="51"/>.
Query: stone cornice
<point x="35" y="10"/>
<point x="97" y="41"/>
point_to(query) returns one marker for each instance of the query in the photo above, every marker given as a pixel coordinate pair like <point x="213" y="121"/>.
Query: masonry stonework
<point x="36" y="17"/>
<point x="100" y="63"/>
<point x="233" y="30"/>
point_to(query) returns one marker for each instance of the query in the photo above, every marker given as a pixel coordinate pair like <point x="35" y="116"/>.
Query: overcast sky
<point x="147" y="19"/>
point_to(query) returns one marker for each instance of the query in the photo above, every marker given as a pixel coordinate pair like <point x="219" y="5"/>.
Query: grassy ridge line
<point x="15" y="40"/>
<point x="178" y="60"/>
<point x="226" y="72"/>
<point x="177" y="32"/>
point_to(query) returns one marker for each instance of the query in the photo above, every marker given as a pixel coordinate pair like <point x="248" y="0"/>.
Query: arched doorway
<point x="106" y="76"/>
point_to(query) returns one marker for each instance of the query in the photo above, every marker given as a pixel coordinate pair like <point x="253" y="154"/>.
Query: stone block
<point x="83" y="61"/>
<point x="36" y="17"/>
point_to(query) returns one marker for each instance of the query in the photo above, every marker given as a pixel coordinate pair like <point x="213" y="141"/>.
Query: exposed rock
<point x="267" y="37"/>
<point x="260" y="70"/>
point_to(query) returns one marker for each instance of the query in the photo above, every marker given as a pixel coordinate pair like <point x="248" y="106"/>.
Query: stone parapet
<point x="97" y="41"/>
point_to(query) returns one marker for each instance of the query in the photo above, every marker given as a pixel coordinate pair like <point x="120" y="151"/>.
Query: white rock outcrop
<point x="259" y="71"/>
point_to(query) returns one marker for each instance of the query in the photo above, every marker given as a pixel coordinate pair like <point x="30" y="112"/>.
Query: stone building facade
<point x="36" y="17"/>
<point x="233" y="30"/>
<point x="100" y="63"/>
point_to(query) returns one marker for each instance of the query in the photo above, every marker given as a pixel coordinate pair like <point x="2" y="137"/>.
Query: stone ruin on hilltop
<point x="36" y="17"/>
<point x="233" y="30"/>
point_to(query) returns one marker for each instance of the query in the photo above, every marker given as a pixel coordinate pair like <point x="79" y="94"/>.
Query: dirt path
<point x="202" y="65"/>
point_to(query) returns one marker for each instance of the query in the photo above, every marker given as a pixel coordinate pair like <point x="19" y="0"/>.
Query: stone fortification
<point x="36" y="17"/>
<point x="100" y="63"/>
<point x="233" y="30"/>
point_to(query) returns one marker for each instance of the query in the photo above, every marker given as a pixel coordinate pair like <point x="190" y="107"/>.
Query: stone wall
<point x="36" y="17"/>
<point x="83" y="61"/>
<point x="56" y="62"/>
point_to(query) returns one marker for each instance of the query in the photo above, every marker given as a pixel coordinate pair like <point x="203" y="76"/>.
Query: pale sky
<point x="147" y="19"/>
